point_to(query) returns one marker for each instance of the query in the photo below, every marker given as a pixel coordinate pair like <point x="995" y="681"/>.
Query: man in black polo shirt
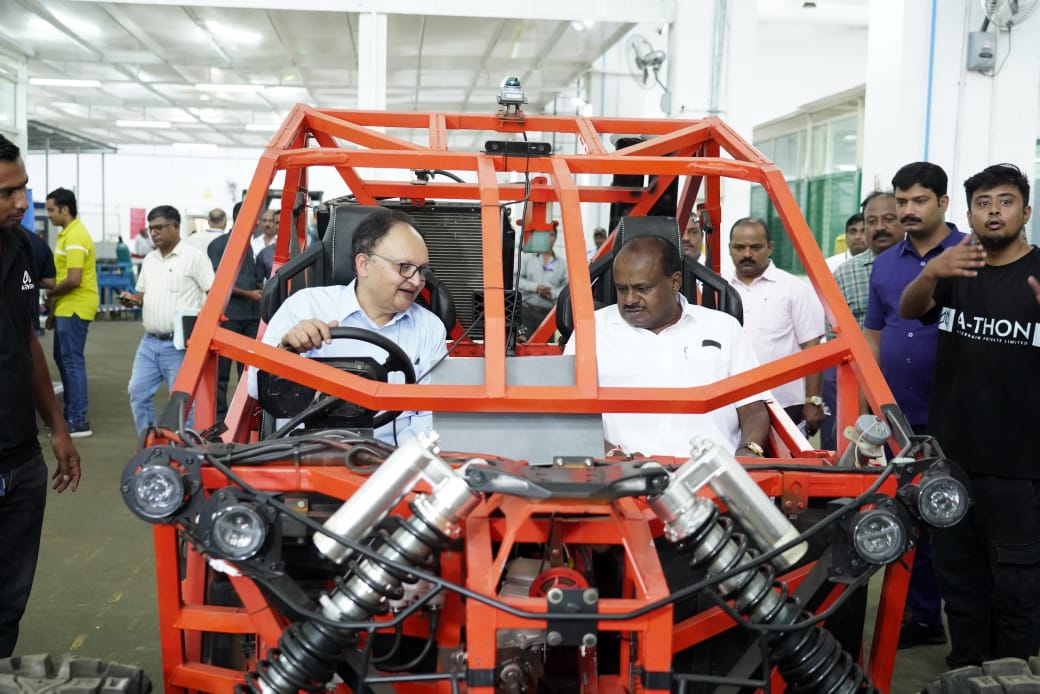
<point x="24" y="373"/>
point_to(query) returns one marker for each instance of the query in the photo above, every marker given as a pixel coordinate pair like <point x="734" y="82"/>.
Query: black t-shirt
<point x="986" y="396"/>
<point x="18" y="432"/>
<point x="43" y="267"/>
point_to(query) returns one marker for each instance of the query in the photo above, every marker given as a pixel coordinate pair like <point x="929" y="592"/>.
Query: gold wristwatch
<point x="814" y="400"/>
<point x="754" y="448"/>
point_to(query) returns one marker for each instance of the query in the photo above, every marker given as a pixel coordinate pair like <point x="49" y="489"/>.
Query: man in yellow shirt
<point x="75" y="303"/>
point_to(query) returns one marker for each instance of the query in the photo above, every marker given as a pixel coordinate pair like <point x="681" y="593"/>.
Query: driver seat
<point x="331" y="262"/>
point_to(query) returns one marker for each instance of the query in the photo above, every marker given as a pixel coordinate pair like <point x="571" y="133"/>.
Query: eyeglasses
<point x="407" y="270"/>
<point x="159" y="227"/>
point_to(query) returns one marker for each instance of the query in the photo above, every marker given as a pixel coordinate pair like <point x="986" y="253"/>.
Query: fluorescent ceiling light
<point x="144" y="124"/>
<point x="206" y="87"/>
<point x="232" y="34"/>
<point x="262" y="127"/>
<point x="194" y="145"/>
<point x="54" y="82"/>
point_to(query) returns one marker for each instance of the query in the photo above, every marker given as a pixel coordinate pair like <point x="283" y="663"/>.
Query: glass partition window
<point x="821" y="164"/>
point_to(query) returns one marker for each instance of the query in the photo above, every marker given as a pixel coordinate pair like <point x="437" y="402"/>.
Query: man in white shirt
<point x="654" y="338"/>
<point x="269" y="229"/>
<point x="173" y="277"/>
<point x="781" y="316"/>
<point x="855" y="242"/>
<point x="217" y="220"/>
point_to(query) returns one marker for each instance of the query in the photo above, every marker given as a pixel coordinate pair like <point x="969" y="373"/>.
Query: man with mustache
<point x="693" y="237"/>
<point x="781" y="316"/>
<point x="654" y="338"/>
<point x="391" y="261"/>
<point x="173" y="277"/>
<point x="984" y="297"/>
<point x="882" y="230"/>
<point x="906" y="350"/>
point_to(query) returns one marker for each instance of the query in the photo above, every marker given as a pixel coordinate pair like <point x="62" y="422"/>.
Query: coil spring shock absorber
<point x="308" y="652"/>
<point x="809" y="658"/>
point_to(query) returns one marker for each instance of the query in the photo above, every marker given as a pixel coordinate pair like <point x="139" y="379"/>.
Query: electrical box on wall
<point x="982" y="51"/>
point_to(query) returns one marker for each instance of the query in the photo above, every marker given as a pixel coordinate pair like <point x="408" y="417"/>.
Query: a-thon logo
<point x="985" y="329"/>
<point x="27" y="282"/>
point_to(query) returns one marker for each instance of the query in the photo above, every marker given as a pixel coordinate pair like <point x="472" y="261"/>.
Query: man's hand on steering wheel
<point x="308" y="334"/>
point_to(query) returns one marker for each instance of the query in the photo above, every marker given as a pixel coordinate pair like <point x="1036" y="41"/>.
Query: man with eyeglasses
<point x="173" y="277"/>
<point x="391" y="261"/>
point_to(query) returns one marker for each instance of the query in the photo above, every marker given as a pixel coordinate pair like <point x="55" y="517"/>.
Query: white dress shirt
<point x="177" y="281"/>
<point x="703" y="347"/>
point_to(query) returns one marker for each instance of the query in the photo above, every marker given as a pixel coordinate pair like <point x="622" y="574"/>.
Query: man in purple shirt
<point x="905" y="348"/>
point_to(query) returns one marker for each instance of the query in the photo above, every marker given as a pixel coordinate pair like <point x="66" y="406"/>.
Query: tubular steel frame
<point x="698" y="152"/>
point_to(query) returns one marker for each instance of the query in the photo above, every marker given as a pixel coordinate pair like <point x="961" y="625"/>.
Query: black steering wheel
<point x="396" y="360"/>
<point x="284" y="398"/>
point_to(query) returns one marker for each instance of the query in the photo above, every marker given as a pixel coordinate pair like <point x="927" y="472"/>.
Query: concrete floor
<point x="95" y="588"/>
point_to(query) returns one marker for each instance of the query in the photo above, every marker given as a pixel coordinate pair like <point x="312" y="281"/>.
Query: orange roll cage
<point x="374" y="163"/>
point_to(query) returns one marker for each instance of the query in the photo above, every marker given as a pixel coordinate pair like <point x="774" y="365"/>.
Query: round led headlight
<point x="238" y="531"/>
<point x="157" y="491"/>
<point x="942" y="501"/>
<point x="878" y="536"/>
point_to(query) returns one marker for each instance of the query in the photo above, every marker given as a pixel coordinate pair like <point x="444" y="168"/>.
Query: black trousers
<point x="21" y="521"/>
<point x="248" y="328"/>
<point x="988" y="567"/>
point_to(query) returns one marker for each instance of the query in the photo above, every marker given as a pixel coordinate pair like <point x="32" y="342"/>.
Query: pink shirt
<point x="781" y="312"/>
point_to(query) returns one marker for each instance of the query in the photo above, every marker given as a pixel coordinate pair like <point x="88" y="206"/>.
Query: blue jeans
<point x="21" y="521"/>
<point x="156" y="361"/>
<point x="70" y="339"/>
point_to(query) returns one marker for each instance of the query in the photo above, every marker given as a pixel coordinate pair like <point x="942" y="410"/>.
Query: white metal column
<point x="372" y="60"/>
<point x="921" y="102"/>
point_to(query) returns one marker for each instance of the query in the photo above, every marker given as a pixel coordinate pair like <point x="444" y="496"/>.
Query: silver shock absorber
<point x="309" y="651"/>
<point x="809" y="658"/>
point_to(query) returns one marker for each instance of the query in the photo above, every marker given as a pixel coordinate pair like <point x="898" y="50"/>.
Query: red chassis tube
<point x="699" y="153"/>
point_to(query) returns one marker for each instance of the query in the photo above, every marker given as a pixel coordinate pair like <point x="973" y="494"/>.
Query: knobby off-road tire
<point x="1004" y="676"/>
<point x="69" y="674"/>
